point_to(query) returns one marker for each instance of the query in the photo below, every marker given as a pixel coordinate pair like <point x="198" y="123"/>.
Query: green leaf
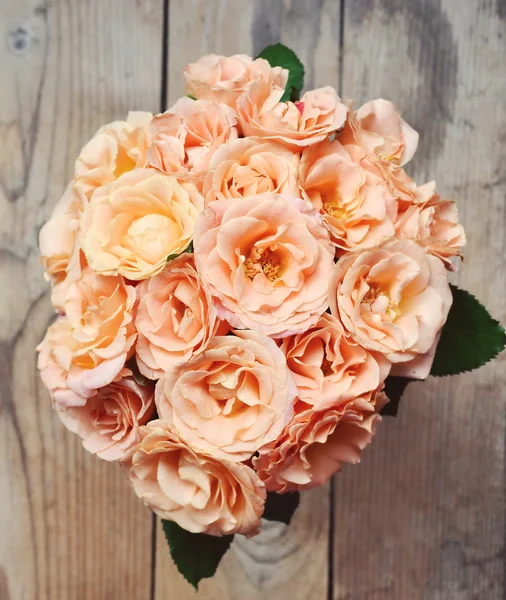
<point x="191" y="97"/>
<point x="136" y="374"/>
<point x="196" y="555"/>
<point x="394" y="389"/>
<point x="279" y="55"/>
<point x="189" y="248"/>
<point x="470" y="337"/>
<point x="281" y="507"/>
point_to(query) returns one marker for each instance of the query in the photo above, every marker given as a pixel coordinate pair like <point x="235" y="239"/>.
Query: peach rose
<point x="88" y="348"/>
<point x="267" y="261"/>
<point x="328" y="368"/>
<point x="202" y="494"/>
<point x="393" y="299"/>
<point x="350" y="192"/>
<point x="166" y="152"/>
<point x="175" y="319"/>
<point x="315" y="444"/>
<point x="133" y="224"/>
<point x="109" y="421"/>
<point x="433" y="224"/>
<point x="247" y="167"/>
<point x="231" y="399"/>
<point x="115" y="149"/>
<point x="318" y="114"/>
<point x="224" y="79"/>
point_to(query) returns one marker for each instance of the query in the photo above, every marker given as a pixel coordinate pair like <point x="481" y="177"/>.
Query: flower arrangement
<point x="244" y="284"/>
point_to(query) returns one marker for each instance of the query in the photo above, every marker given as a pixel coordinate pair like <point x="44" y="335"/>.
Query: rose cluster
<point x="235" y="279"/>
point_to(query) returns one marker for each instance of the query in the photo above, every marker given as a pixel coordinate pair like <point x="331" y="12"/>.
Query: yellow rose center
<point x="263" y="260"/>
<point x="333" y="207"/>
<point x="379" y="301"/>
<point x="124" y="162"/>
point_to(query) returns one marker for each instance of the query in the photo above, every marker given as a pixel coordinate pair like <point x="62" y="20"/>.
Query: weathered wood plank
<point x="423" y="515"/>
<point x="282" y="562"/>
<point x="72" y="528"/>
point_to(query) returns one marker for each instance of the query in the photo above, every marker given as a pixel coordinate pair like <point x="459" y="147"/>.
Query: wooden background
<point x="423" y="516"/>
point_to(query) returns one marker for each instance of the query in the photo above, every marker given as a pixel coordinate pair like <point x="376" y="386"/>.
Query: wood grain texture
<point x="71" y="527"/>
<point x="423" y="515"/>
<point x="270" y="564"/>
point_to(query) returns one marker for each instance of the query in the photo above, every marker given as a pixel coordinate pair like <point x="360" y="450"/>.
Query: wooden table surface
<point x="423" y="516"/>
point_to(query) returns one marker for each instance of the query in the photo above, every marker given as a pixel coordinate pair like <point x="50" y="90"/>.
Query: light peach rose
<point x="202" y="494"/>
<point x="383" y="133"/>
<point x="328" y="368"/>
<point x="57" y="238"/>
<point x="175" y="319"/>
<point x="318" y="114"/>
<point x="115" y="149"/>
<point x="249" y="166"/>
<point x="315" y="444"/>
<point x="109" y="421"/>
<point x="393" y="299"/>
<point x="133" y="224"/>
<point x="208" y="126"/>
<point x="166" y="151"/>
<point x="433" y="224"/>
<point x="351" y="193"/>
<point x="225" y="78"/>
<point x="267" y="260"/>
<point x="231" y="399"/>
<point x="88" y="348"/>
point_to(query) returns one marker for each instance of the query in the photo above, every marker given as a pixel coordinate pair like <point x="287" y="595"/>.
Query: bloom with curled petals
<point x="393" y="299"/>
<point x="166" y="151"/>
<point x="202" y="494"/>
<point x="328" y="368"/>
<point x="133" y="224"/>
<point x="87" y="349"/>
<point x="115" y="149"/>
<point x="247" y="167"/>
<point x="350" y="192"/>
<point x="319" y="113"/>
<point x="109" y="421"/>
<point x="433" y="224"/>
<point x="315" y="444"/>
<point x="175" y="318"/>
<point x="223" y="79"/>
<point x="267" y="260"/>
<point x="231" y="399"/>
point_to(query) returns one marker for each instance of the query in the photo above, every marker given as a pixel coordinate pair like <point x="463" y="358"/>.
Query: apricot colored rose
<point x="267" y="260"/>
<point x="175" y="319"/>
<point x="202" y="494"/>
<point x="393" y="299"/>
<point x="318" y="114"/>
<point x="231" y="399"/>
<point x="223" y="79"/>
<point x="315" y="444"/>
<point x="109" y="421"/>
<point x="247" y="167"/>
<point x="87" y="349"/>
<point x="133" y="224"/>
<point x="166" y="145"/>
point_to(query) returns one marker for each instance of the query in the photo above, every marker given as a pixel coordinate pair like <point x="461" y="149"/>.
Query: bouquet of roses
<point x="242" y="283"/>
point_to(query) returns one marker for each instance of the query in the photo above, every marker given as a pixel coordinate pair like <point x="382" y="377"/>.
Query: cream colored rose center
<point x="263" y="260"/>
<point x="378" y="301"/>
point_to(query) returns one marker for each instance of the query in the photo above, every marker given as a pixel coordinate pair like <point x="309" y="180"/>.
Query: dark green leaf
<point x="470" y="337"/>
<point x="279" y="55"/>
<point x="196" y="555"/>
<point x="191" y="97"/>
<point x="189" y="248"/>
<point x="394" y="389"/>
<point x="281" y="507"/>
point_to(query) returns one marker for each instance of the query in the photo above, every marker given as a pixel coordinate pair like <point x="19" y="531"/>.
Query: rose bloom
<point x="315" y="444"/>
<point x="133" y="224"/>
<point x="115" y="149"/>
<point x="231" y="399"/>
<point x="267" y="260"/>
<point x="202" y="494"/>
<point x="351" y="193"/>
<point x="393" y="299"/>
<point x="247" y="167"/>
<point x="223" y="79"/>
<point x="175" y="318"/>
<point x="433" y="224"/>
<point x="88" y="348"/>
<point x="319" y="113"/>
<point x="109" y="421"/>
<point x="165" y="151"/>
<point x="329" y="368"/>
